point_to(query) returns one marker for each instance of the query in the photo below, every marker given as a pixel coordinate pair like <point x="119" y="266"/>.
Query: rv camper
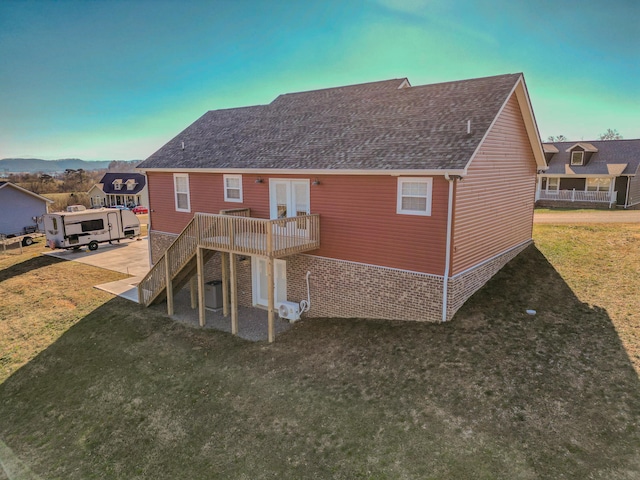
<point x="89" y="227"/>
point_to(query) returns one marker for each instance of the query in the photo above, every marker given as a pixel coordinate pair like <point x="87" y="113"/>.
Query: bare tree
<point x="610" y="135"/>
<point x="557" y="138"/>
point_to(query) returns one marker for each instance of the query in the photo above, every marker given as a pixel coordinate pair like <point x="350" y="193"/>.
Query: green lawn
<point x="96" y="387"/>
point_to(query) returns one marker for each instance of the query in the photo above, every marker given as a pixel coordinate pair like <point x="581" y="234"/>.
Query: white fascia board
<point x="292" y="171"/>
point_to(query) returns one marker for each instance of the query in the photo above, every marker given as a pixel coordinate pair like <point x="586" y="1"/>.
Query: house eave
<point x="584" y="175"/>
<point x="302" y="171"/>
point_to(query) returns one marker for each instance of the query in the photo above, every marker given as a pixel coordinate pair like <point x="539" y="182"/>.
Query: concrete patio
<point x="252" y="322"/>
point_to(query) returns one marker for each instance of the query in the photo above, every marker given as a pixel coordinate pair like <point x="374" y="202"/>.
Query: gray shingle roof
<point x="109" y="178"/>
<point x="610" y="152"/>
<point x="369" y="126"/>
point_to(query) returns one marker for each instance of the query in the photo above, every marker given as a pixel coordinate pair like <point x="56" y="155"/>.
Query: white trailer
<point x="89" y="227"/>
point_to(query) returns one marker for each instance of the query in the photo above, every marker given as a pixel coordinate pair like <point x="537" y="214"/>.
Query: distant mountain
<point x="34" y="165"/>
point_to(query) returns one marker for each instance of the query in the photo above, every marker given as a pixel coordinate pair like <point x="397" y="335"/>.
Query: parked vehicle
<point x="90" y="227"/>
<point x="140" y="210"/>
<point x="76" y="208"/>
<point x="26" y="236"/>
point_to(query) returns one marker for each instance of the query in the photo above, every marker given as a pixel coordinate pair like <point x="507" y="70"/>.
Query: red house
<point x="389" y="200"/>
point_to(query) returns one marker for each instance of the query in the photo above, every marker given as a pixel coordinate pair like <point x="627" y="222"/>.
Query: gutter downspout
<point x="447" y="262"/>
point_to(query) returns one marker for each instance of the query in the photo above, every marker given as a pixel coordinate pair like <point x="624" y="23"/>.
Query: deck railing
<point x="233" y="233"/>
<point x="577" y="196"/>
<point x="174" y="259"/>
<point x="257" y="236"/>
<point x="153" y="283"/>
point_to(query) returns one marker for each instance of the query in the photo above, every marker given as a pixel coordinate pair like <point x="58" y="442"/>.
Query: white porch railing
<point x="577" y="196"/>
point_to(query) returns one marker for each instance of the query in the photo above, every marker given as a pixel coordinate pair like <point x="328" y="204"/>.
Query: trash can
<point x="213" y="294"/>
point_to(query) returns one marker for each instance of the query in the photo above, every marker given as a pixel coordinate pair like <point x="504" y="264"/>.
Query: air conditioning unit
<point x="289" y="311"/>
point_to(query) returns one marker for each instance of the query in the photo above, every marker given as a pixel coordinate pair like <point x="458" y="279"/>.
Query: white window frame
<point x="176" y="192"/>
<point x="598" y="184"/>
<point x="426" y="180"/>
<point x="581" y="157"/>
<point x="226" y="188"/>
<point x="556" y="180"/>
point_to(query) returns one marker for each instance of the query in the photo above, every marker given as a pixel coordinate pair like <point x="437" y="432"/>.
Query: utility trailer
<point x="72" y="230"/>
<point x="25" y="237"/>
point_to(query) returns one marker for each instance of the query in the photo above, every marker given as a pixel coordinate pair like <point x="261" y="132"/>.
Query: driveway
<point x="130" y="257"/>
<point x="587" y="216"/>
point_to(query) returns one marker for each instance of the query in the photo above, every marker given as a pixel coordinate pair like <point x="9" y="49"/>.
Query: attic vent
<point x="405" y="84"/>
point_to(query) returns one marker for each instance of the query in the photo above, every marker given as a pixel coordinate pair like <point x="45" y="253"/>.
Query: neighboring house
<point x="400" y="201"/>
<point x="128" y="189"/>
<point x="594" y="173"/>
<point x="20" y="209"/>
<point x="97" y="197"/>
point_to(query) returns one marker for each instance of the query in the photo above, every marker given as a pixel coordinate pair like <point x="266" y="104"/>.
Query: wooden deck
<point x="256" y="236"/>
<point x="232" y="232"/>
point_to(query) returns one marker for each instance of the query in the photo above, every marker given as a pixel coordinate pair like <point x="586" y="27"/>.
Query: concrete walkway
<point x="587" y="216"/>
<point x="130" y="257"/>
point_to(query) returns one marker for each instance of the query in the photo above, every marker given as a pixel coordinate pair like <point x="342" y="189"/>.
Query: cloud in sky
<point x="116" y="79"/>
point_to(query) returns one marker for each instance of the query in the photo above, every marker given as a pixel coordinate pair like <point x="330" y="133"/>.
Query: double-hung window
<point x="414" y="195"/>
<point x="233" y="188"/>
<point x="181" y="189"/>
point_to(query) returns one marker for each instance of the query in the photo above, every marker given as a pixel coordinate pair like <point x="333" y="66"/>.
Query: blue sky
<point x="103" y="80"/>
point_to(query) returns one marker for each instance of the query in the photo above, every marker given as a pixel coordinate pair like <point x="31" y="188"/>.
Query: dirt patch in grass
<point x="495" y="394"/>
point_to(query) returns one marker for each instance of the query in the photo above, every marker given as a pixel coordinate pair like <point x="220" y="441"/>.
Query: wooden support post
<point x="271" y="298"/>
<point x="168" y="285"/>
<point x="234" y="294"/>
<point x="200" y="275"/>
<point x="224" y="260"/>
<point x="270" y="283"/>
<point x="193" y="289"/>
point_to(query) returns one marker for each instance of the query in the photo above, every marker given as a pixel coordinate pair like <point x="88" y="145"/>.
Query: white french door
<point x="289" y="198"/>
<point x="260" y="281"/>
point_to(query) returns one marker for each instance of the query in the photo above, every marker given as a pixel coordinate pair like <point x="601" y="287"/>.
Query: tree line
<point x="610" y="134"/>
<point x="70" y="180"/>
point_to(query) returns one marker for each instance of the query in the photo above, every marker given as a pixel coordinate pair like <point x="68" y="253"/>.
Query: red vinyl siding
<point x="358" y="219"/>
<point x="494" y="202"/>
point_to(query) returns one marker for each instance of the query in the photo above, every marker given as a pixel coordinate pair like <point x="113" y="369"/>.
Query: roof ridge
<point x="468" y="80"/>
<point x="343" y="87"/>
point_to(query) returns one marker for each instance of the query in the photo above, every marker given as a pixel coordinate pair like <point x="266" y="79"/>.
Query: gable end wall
<point x="494" y="202"/>
<point x="634" y="191"/>
<point x="19" y="208"/>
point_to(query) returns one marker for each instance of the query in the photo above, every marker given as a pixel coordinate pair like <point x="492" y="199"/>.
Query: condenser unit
<point x="289" y="311"/>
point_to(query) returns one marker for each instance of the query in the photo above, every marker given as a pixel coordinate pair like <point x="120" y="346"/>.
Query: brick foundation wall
<point x="342" y="289"/>
<point x="465" y="284"/>
<point x="158" y="243"/>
